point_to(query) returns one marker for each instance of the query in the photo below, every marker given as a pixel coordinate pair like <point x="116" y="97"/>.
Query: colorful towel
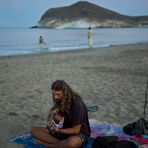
<point x="27" y="140"/>
<point x="97" y="130"/>
<point x="108" y="130"/>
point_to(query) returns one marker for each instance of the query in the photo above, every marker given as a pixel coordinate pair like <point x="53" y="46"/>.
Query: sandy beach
<point x="114" y="78"/>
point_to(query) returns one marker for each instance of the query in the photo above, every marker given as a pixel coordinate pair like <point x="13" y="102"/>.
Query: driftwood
<point x="146" y="101"/>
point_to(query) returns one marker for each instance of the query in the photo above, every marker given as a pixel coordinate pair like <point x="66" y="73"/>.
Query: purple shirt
<point x="78" y="115"/>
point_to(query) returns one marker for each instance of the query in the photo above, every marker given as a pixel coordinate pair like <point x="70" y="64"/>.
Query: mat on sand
<point x="97" y="129"/>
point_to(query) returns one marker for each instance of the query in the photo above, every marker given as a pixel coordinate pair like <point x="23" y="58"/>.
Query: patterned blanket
<point x="97" y="129"/>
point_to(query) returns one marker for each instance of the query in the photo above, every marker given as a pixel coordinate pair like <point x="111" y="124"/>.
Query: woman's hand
<point x="57" y="130"/>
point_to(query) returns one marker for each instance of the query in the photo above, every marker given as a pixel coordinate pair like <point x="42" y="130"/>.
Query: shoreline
<point x="69" y="50"/>
<point x="114" y="78"/>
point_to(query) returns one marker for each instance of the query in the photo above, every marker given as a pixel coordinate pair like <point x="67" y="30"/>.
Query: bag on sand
<point x="112" y="142"/>
<point x="140" y="127"/>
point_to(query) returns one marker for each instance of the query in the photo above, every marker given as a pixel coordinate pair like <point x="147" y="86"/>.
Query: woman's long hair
<point x="61" y="85"/>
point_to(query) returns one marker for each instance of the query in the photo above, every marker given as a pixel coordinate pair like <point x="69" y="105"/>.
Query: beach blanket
<point x="97" y="129"/>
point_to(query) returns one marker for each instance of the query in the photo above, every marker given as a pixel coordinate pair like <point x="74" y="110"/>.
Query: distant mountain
<point x="84" y="14"/>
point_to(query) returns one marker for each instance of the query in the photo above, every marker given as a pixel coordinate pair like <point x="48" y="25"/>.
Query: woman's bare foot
<point x="38" y="142"/>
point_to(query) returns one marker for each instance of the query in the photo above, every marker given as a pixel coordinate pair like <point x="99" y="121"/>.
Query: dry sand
<point x="114" y="78"/>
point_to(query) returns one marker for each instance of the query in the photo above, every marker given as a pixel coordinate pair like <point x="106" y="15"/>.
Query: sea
<point x="20" y="41"/>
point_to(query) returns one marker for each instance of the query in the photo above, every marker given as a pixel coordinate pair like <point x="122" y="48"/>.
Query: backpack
<point x="140" y="127"/>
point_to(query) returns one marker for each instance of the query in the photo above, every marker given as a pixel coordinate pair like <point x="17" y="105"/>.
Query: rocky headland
<point x="84" y="14"/>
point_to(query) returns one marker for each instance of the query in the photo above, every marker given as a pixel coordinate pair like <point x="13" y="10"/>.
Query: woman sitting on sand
<point x="76" y="128"/>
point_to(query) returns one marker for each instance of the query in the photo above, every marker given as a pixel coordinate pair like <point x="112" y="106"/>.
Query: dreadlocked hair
<point x="61" y="85"/>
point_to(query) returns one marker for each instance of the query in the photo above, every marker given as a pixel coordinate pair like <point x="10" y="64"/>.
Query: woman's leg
<point x="42" y="134"/>
<point x="72" y="142"/>
<point x="43" y="137"/>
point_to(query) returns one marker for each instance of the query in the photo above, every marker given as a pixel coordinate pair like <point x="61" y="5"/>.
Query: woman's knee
<point x="74" y="142"/>
<point x="34" y="130"/>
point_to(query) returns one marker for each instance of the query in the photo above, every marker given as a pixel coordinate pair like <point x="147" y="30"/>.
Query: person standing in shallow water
<point x="90" y="37"/>
<point x="42" y="43"/>
<point x="75" y="129"/>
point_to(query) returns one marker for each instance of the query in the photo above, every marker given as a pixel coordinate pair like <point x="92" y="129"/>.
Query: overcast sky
<point x="26" y="13"/>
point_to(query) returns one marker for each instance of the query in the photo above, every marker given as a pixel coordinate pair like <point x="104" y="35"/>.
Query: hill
<point x="84" y="14"/>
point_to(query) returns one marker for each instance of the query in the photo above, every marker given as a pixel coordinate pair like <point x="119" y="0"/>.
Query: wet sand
<point x="114" y="78"/>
